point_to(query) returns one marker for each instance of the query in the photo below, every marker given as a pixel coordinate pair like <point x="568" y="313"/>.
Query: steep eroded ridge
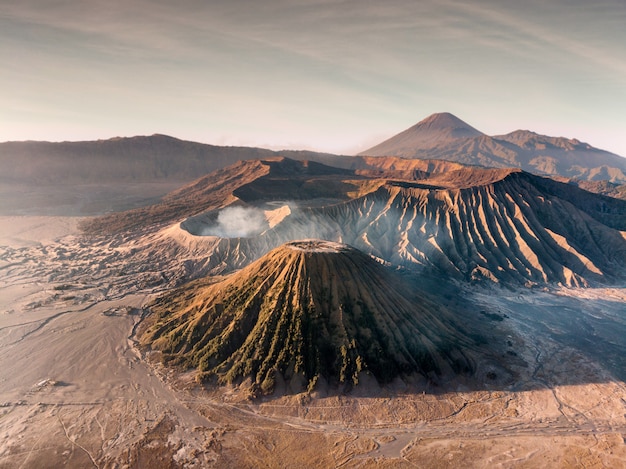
<point x="513" y="228"/>
<point x="510" y="230"/>
<point x="503" y="225"/>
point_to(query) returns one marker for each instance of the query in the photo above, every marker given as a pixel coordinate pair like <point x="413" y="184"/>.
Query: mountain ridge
<point x="473" y="224"/>
<point x="159" y="157"/>
<point x="530" y="151"/>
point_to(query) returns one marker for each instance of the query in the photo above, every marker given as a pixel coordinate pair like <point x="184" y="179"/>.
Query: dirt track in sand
<point x="74" y="391"/>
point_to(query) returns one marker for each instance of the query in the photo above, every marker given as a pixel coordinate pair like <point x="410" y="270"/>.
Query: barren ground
<point x="74" y="390"/>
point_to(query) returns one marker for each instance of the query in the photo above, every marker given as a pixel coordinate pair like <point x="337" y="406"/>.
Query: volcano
<point x="308" y="311"/>
<point x="444" y="136"/>
<point x="434" y="131"/>
<point x="467" y="223"/>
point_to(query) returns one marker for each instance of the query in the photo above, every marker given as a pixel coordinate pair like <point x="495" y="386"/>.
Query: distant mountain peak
<point x="435" y="130"/>
<point x="164" y="136"/>
<point x="448" y="121"/>
<point x="523" y="132"/>
<point x="443" y="136"/>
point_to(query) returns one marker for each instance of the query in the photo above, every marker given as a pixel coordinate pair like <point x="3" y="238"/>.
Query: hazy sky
<point x="330" y="75"/>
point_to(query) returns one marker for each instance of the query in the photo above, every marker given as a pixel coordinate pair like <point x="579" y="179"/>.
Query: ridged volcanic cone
<point x="306" y="310"/>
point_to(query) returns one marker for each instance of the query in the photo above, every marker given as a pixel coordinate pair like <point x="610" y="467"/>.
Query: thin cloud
<point x="310" y="67"/>
<point x="537" y="38"/>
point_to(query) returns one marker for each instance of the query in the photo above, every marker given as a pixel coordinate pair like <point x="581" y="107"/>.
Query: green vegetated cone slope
<point x="308" y="310"/>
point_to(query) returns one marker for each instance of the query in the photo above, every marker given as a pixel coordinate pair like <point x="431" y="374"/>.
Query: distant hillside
<point x="134" y="159"/>
<point x="96" y="177"/>
<point x="610" y="189"/>
<point x="158" y="158"/>
<point x="444" y="136"/>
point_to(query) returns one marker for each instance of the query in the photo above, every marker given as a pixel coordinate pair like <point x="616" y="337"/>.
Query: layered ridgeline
<point x="444" y="136"/>
<point x="120" y="160"/>
<point x="149" y="159"/>
<point x="103" y="176"/>
<point x="470" y="223"/>
<point x="507" y="226"/>
<point x="307" y="311"/>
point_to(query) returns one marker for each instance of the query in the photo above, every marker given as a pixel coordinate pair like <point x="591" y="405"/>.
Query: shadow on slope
<point x="334" y="323"/>
<point x="502" y="225"/>
<point x="590" y="323"/>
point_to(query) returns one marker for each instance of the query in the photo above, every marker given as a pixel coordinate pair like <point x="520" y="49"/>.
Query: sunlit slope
<point x="520" y="229"/>
<point x="501" y="225"/>
<point x="306" y="311"/>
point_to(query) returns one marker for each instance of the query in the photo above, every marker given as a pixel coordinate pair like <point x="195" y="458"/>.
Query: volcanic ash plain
<point x="75" y="390"/>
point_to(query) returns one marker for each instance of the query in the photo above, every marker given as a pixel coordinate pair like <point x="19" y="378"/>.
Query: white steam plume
<point x="237" y="222"/>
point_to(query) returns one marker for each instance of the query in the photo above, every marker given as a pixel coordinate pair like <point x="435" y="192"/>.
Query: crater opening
<point x="237" y="221"/>
<point x="317" y="245"/>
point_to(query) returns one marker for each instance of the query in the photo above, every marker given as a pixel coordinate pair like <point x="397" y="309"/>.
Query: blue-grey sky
<point x="332" y="75"/>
